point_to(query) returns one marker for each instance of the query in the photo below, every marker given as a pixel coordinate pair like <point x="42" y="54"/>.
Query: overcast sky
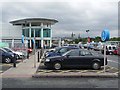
<point x="73" y="16"/>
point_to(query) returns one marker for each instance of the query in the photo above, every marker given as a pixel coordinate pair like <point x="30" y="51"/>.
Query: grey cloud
<point x="77" y="19"/>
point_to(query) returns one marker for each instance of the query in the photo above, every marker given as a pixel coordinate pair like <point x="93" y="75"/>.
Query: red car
<point x="29" y="50"/>
<point x="18" y="49"/>
<point x="117" y="51"/>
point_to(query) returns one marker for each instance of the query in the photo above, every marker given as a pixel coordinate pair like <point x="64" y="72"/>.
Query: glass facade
<point x="32" y="32"/>
<point x="46" y="32"/>
<point x="25" y="32"/>
<point x="37" y="32"/>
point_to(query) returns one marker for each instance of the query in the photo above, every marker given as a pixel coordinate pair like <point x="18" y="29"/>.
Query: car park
<point x="76" y="58"/>
<point x="6" y="57"/>
<point x="20" y="55"/>
<point x="59" y="51"/>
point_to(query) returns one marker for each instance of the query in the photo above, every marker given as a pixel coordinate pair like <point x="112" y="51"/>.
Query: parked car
<point x="59" y="51"/>
<point x="6" y="57"/>
<point x="76" y="58"/>
<point x="109" y="49"/>
<point x="116" y="51"/>
<point x="29" y="50"/>
<point x="19" y="55"/>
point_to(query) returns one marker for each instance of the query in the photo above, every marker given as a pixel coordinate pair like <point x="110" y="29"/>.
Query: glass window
<point x="114" y="48"/>
<point x="46" y="32"/>
<point x="110" y="48"/>
<point x="73" y="53"/>
<point x="25" y="32"/>
<point x="32" y="32"/>
<point x="83" y="53"/>
<point x="63" y="50"/>
<point x="37" y="32"/>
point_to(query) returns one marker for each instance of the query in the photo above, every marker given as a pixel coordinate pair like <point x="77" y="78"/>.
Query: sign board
<point x="105" y="35"/>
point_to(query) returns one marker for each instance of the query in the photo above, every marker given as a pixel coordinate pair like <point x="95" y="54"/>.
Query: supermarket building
<point x="39" y="29"/>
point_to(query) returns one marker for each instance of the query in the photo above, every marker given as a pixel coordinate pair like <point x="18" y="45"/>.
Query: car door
<point x="86" y="58"/>
<point x="71" y="58"/>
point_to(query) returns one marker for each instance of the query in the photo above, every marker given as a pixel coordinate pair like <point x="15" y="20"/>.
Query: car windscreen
<point x="9" y="50"/>
<point x="2" y="50"/>
<point x="57" y="49"/>
<point x="72" y="53"/>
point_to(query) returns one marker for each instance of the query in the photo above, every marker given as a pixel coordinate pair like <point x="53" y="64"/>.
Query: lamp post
<point x="88" y="35"/>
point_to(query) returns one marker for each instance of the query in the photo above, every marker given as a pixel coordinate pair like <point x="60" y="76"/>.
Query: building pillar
<point x="42" y="36"/>
<point x="50" y="42"/>
<point x="50" y="36"/>
<point x="30" y="35"/>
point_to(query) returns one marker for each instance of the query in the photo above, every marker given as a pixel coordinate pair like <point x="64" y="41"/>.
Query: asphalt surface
<point x="60" y="83"/>
<point x="113" y="60"/>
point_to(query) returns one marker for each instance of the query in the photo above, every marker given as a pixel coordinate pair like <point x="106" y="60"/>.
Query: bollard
<point x="27" y="55"/>
<point x="40" y="53"/>
<point x="14" y="61"/>
<point x="38" y="57"/>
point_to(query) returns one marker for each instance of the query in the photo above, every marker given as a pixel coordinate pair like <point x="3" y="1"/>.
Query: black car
<point x="76" y="58"/>
<point x="10" y="51"/>
<point x="59" y="51"/>
<point x="6" y="57"/>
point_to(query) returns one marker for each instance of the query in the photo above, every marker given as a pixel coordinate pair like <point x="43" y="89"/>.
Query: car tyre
<point x="8" y="60"/>
<point x="96" y="65"/>
<point x="57" y="66"/>
<point x="110" y="53"/>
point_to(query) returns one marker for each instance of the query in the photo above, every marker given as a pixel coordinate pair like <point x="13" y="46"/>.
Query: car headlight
<point x="47" y="60"/>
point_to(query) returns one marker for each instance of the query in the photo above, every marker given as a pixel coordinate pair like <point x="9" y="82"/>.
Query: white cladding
<point x="10" y="31"/>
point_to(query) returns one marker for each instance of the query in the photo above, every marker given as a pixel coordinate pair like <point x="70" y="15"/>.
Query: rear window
<point x="110" y="48"/>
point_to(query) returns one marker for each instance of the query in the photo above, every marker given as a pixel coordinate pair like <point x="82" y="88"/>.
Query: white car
<point x="20" y="54"/>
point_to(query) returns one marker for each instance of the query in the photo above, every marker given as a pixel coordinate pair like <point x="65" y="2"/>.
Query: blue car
<point x="59" y="51"/>
<point x="6" y="57"/>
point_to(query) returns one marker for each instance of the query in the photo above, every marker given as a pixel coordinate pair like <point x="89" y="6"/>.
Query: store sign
<point x="33" y="40"/>
<point x="105" y="35"/>
<point x="22" y="38"/>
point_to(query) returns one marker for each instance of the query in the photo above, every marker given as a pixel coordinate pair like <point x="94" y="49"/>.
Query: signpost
<point x="105" y="35"/>
<point x="33" y="41"/>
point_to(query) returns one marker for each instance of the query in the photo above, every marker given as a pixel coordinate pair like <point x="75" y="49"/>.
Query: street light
<point x="87" y="31"/>
<point x="87" y="35"/>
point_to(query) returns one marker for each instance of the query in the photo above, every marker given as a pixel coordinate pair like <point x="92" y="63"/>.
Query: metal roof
<point x="34" y="20"/>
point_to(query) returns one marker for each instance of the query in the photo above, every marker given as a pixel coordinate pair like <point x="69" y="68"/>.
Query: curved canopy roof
<point x="34" y="20"/>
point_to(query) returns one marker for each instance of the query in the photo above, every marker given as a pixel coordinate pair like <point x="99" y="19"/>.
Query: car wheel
<point x="7" y="60"/>
<point x="57" y="66"/>
<point x="110" y="53"/>
<point x="96" y="65"/>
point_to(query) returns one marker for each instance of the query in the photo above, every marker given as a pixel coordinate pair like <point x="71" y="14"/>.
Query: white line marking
<point x="113" y="61"/>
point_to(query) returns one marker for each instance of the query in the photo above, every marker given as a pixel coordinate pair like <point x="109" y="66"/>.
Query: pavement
<point x="24" y="69"/>
<point x="43" y="72"/>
